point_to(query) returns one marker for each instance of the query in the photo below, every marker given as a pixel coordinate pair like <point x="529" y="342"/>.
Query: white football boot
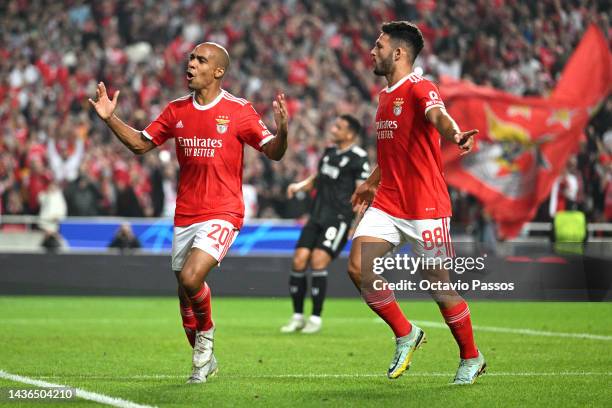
<point x="470" y="369"/>
<point x="313" y="325"/>
<point x="404" y="349"/>
<point x="203" y="361"/>
<point x="296" y="323"/>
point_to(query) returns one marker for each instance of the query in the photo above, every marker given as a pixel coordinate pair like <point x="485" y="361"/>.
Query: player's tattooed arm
<point x="304" y="185"/>
<point x="275" y="149"/>
<point x="449" y="129"/>
<point x="130" y="137"/>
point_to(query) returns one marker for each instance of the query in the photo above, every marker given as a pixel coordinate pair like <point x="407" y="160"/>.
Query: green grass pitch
<point x="134" y="349"/>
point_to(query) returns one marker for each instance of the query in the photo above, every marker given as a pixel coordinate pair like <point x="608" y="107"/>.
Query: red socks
<point x="458" y="320"/>
<point x="200" y="304"/>
<point x="383" y="303"/>
<point x="189" y="323"/>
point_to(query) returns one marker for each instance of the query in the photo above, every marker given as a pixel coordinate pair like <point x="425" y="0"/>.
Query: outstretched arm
<point x="275" y="149"/>
<point x="304" y="185"/>
<point x="448" y="128"/>
<point x="54" y="158"/>
<point x="130" y="137"/>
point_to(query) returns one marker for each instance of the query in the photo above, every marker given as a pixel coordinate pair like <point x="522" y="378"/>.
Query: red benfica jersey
<point x="209" y="143"/>
<point x="412" y="184"/>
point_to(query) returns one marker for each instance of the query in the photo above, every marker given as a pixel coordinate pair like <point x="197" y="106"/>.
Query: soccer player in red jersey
<point x="409" y="199"/>
<point x="210" y="127"/>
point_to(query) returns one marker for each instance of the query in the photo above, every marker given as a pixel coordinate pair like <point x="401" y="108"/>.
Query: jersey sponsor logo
<point x="199" y="146"/>
<point x="330" y="171"/>
<point x="385" y="128"/>
<point x="344" y="161"/>
<point x="397" y="106"/>
<point x="179" y="124"/>
<point x="222" y="124"/>
<point x="386" y="124"/>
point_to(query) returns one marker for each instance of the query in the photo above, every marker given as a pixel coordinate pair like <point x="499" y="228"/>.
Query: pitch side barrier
<point x="529" y="268"/>
<point x="263" y="237"/>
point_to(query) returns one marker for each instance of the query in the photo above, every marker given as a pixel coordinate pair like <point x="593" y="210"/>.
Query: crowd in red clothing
<point x="54" y="52"/>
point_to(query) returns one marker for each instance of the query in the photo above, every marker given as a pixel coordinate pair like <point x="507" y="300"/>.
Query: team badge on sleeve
<point x="222" y="124"/>
<point x="265" y="132"/>
<point x="397" y="106"/>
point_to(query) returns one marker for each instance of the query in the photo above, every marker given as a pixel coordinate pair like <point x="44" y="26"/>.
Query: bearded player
<point x="210" y="128"/>
<point x="409" y="199"/>
<point x="341" y="168"/>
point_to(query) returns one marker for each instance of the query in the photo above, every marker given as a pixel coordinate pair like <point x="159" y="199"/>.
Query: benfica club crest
<point x="397" y="106"/>
<point x="222" y="124"/>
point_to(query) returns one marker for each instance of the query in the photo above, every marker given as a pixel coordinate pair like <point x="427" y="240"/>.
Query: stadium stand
<point x="54" y="52"/>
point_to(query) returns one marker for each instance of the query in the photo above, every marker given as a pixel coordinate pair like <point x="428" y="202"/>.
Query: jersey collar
<point x="397" y="84"/>
<point x="209" y="105"/>
<point x="346" y="149"/>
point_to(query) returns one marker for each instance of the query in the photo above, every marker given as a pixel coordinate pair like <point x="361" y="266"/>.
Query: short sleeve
<point x="252" y="130"/>
<point x="362" y="169"/>
<point x="427" y="96"/>
<point x="160" y="129"/>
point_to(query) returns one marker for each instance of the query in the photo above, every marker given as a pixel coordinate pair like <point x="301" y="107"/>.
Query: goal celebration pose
<point x="210" y="127"/>
<point x="409" y="199"/>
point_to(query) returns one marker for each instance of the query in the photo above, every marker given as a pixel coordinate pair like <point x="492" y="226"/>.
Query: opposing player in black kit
<point x="341" y="169"/>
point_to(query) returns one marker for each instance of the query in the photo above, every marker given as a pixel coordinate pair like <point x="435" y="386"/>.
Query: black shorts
<point x="330" y="236"/>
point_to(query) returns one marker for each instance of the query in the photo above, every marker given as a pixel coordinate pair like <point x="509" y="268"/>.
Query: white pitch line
<point x="335" y="320"/>
<point x="527" y="332"/>
<point x="88" y="395"/>
<point x="354" y="375"/>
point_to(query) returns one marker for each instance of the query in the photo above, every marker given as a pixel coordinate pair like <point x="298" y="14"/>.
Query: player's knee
<point x="299" y="263"/>
<point x="319" y="259"/>
<point x="189" y="280"/>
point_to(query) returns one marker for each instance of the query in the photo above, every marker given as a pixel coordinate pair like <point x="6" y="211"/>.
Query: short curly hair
<point x="406" y="33"/>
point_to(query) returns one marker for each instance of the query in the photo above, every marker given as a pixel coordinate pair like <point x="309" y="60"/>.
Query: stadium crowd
<point x="54" y="52"/>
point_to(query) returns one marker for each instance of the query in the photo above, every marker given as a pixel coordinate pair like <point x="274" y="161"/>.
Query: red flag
<point x="524" y="142"/>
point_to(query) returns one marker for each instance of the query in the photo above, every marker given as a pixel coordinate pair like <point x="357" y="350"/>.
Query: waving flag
<point x="525" y="142"/>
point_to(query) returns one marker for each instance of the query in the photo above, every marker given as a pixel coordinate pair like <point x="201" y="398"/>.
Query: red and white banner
<point x="524" y="142"/>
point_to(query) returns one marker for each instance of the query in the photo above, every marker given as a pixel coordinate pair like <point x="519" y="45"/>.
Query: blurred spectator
<point x="169" y="185"/>
<point x="13" y="203"/>
<point x="34" y="180"/>
<point x="249" y="194"/>
<point x="64" y="164"/>
<point x="125" y="239"/>
<point x="317" y="51"/>
<point x="82" y="197"/>
<point x="156" y="178"/>
<point x="53" y="209"/>
<point x="565" y="189"/>
<point x="127" y="202"/>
